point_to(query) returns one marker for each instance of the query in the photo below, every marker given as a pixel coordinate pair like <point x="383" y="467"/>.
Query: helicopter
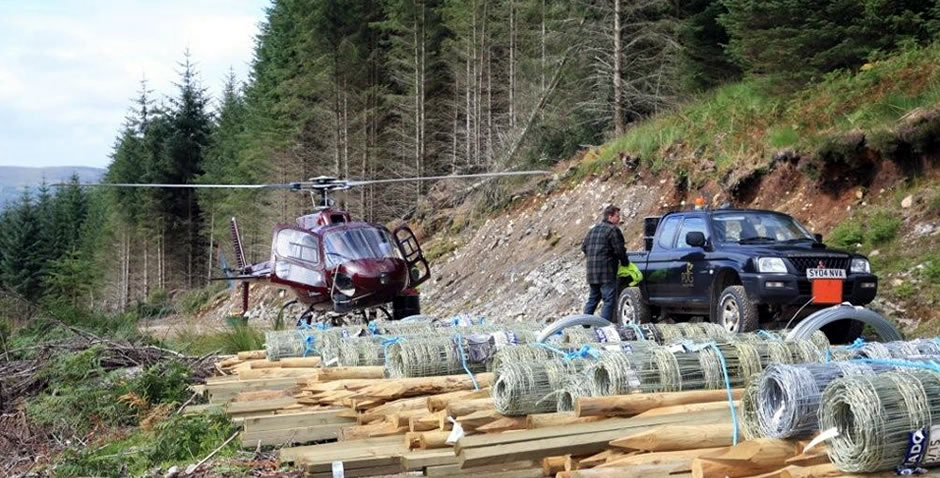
<point x="328" y="259"/>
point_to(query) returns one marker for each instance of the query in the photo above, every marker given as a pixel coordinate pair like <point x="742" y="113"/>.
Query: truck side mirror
<point x="695" y="239"/>
<point x="818" y="237"/>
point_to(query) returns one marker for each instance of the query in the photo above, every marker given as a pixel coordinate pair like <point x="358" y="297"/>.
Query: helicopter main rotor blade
<point x="452" y="176"/>
<point x="289" y="186"/>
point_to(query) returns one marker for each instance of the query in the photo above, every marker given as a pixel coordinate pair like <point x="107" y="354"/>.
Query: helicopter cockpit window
<point x="353" y="244"/>
<point x="297" y="245"/>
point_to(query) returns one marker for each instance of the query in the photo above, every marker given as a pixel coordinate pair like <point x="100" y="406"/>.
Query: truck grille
<point x="801" y="263"/>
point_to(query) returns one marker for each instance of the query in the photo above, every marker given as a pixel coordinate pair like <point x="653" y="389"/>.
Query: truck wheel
<point x="735" y="311"/>
<point x="631" y="309"/>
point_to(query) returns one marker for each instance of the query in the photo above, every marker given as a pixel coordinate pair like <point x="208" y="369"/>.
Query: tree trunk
<point x="209" y="262"/>
<point x="512" y="65"/>
<point x="543" y="48"/>
<point x="146" y="266"/>
<point x="469" y="91"/>
<point x="489" y="92"/>
<point x="453" y="154"/>
<point x="417" y="80"/>
<point x="618" y="77"/>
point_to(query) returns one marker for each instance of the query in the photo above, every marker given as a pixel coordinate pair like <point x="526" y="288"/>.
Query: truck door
<point x="691" y="275"/>
<point x="660" y="260"/>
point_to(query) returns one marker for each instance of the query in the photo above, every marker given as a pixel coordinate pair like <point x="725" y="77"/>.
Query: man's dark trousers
<point x="606" y="291"/>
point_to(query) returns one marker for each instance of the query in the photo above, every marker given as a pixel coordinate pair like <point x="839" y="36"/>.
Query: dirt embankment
<point x="525" y="263"/>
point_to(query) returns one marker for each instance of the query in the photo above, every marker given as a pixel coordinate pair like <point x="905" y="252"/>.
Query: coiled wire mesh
<point x="523" y="388"/>
<point x="884" y="421"/>
<point x="429" y="356"/>
<point x="578" y="386"/>
<point x="788" y="395"/>
<point x="890" y="350"/>
<point x="658" y="333"/>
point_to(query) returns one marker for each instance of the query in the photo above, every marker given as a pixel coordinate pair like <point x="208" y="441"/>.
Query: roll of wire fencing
<point x="578" y="386"/>
<point x="887" y="350"/>
<point x="888" y="421"/>
<point x="304" y="342"/>
<point x="750" y="419"/>
<point x="818" y="337"/>
<point x="658" y="333"/>
<point x="787" y="397"/>
<point x="451" y="353"/>
<point x="362" y="351"/>
<point x="523" y="388"/>
<point x="691" y="365"/>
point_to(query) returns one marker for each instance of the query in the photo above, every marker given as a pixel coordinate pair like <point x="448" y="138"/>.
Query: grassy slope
<point x="743" y="124"/>
<point x="737" y="128"/>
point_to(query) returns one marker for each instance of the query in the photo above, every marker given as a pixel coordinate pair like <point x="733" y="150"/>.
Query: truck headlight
<point x="773" y="265"/>
<point x="861" y="266"/>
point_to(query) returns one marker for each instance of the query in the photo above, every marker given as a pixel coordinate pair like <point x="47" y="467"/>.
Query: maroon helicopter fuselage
<point x="333" y="263"/>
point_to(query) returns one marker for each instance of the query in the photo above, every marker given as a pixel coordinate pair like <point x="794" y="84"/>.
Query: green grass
<point x="237" y="339"/>
<point x="869" y="229"/>
<point x="738" y="126"/>
<point x="932" y="269"/>
<point x="193" y="301"/>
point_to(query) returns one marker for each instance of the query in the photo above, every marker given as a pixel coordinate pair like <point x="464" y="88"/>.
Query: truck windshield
<point x="353" y="244"/>
<point x="757" y="226"/>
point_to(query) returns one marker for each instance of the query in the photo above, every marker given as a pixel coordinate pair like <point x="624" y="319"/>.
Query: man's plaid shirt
<point x="605" y="251"/>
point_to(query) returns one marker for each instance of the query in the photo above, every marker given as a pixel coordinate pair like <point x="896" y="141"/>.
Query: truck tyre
<point x="631" y="308"/>
<point x="735" y="311"/>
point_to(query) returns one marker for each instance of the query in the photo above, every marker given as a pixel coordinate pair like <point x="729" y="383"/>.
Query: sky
<point x="69" y="69"/>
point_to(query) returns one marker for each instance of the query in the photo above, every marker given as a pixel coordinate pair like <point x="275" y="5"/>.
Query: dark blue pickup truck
<point x="740" y="268"/>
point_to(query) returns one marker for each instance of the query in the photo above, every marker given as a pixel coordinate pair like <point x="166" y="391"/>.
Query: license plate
<point x="825" y="274"/>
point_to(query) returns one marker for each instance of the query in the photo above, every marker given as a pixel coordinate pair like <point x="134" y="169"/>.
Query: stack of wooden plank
<point x="379" y="427"/>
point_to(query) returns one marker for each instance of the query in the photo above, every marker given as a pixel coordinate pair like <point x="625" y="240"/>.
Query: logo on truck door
<point x="688" y="280"/>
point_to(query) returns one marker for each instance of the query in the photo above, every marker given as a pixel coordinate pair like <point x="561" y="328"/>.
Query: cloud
<point x="69" y="69"/>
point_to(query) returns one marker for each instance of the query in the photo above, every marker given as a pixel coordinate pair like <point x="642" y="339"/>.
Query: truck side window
<point x="691" y="224"/>
<point x="667" y="233"/>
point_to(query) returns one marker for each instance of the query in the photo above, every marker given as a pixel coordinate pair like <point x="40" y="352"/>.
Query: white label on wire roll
<point x="607" y="334"/>
<point x="932" y="455"/>
<point x="456" y="433"/>
<point x="825" y="435"/>
<point x="338" y="471"/>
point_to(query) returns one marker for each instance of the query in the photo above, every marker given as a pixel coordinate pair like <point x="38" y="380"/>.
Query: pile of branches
<point x="20" y="379"/>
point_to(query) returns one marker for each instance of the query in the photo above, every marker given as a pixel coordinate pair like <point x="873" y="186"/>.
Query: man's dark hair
<point x="610" y="210"/>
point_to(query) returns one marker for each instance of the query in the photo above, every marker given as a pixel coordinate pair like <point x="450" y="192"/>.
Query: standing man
<point x="605" y="252"/>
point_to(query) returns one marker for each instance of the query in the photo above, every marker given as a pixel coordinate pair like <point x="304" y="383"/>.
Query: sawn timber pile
<point x="387" y="426"/>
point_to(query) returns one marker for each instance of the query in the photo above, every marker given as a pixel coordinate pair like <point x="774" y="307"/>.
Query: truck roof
<point x="731" y="210"/>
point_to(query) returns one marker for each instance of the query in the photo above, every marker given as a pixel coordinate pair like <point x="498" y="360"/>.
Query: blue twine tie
<point x="552" y="349"/>
<point x="724" y="371"/>
<point x="930" y="366"/>
<point x="308" y="341"/>
<point x="584" y="352"/>
<point x="386" y="343"/>
<point x="828" y="354"/>
<point x="463" y="361"/>
<point x="374" y="328"/>
<point x="859" y="343"/>
<point x="767" y="335"/>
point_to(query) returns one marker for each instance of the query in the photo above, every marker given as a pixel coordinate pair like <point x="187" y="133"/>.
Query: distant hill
<point x="14" y="178"/>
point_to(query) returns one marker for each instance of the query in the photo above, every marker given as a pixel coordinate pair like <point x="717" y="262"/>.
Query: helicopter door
<point x="418" y="269"/>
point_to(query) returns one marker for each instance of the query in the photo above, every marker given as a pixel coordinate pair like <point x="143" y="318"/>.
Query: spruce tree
<point x="20" y="249"/>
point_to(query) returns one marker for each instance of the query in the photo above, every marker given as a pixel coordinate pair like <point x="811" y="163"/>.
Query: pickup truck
<point x="741" y="268"/>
